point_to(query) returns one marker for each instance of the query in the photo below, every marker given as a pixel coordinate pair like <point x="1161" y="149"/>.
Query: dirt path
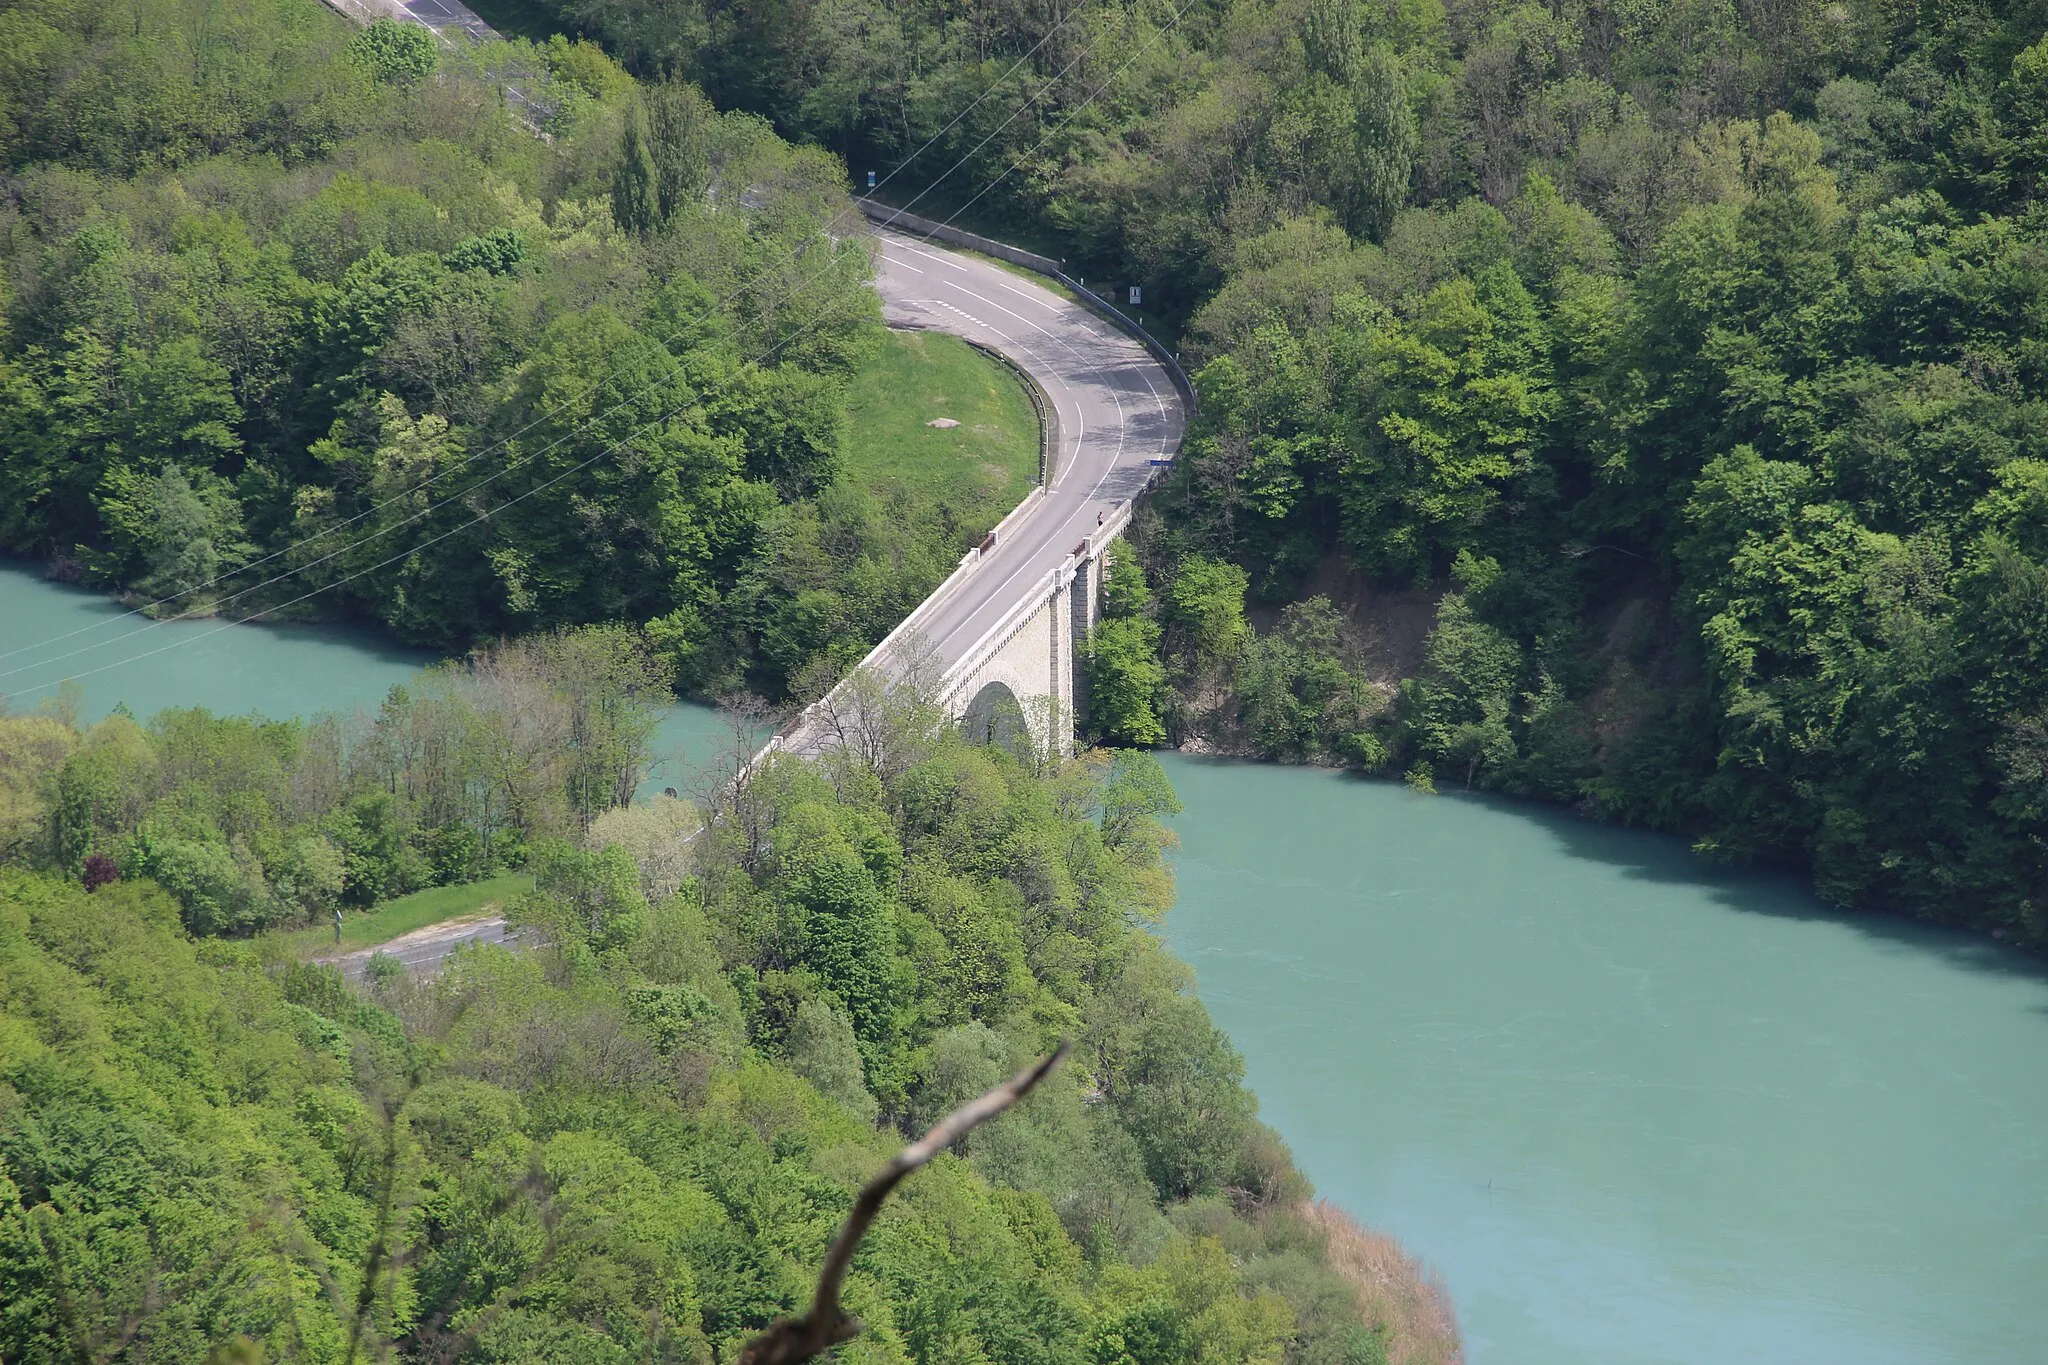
<point x="423" y="950"/>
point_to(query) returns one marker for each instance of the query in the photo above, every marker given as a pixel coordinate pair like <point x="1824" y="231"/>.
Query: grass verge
<point x="982" y="467"/>
<point x="1025" y="273"/>
<point x="365" y="929"/>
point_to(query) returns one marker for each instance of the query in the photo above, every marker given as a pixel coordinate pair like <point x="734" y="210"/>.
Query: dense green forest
<point x="295" y="309"/>
<point x="311" y="323"/>
<point x="1740" y="506"/>
<point x="631" y="1139"/>
<point x="1684" y="357"/>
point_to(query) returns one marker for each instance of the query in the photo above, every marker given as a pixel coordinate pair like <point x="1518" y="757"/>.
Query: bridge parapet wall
<point x="1035" y="648"/>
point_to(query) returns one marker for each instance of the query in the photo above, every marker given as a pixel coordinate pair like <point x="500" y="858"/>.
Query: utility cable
<point x="488" y="513"/>
<point x="709" y="312"/>
<point x="480" y="517"/>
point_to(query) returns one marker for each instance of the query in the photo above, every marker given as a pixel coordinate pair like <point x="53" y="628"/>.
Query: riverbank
<point x="1392" y="1287"/>
<point x="1635" y="1109"/>
<point x="1387" y="682"/>
<point x="693" y="1002"/>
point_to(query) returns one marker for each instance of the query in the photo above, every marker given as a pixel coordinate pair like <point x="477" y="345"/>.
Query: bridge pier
<point x="1004" y="635"/>
<point x="1035" y="654"/>
<point x="1086" y="611"/>
<point x="1059" y="614"/>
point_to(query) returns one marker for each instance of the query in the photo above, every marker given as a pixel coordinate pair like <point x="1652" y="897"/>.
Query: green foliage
<point x="1385" y="148"/>
<point x="166" y="536"/>
<point x="978" y="963"/>
<point x="636" y="206"/>
<point x="1702" y="425"/>
<point x="496" y="252"/>
<point x="1126" y="681"/>
<point x="424" y="368"/>
<point x="473" y="768"/>
<point x="1136" y="795"/>
<point x="1204" y="605"/>
<point x="823" y="1051"/>
<point x="153" y="1096"/>
<point x="1124" y="589"/>
<point x="1295" y="692"/>
<point x="636" y="1135"/>
<point x="32" y="749"/>
<point x="1181" y="1097"/>
<point x="1298" y="697"/>
<point x="1454" y="404"/>
<point x="1458" y="708"/>
<point x="394" y="53"/>
<point x="590" y="898"/>
<point x="311" y="298"/>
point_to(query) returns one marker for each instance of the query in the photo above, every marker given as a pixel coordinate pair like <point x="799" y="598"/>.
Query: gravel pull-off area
<point x="424" y="950"/>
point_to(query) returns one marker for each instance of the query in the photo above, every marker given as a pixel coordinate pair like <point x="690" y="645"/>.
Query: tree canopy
<point x="635" y="1133"/>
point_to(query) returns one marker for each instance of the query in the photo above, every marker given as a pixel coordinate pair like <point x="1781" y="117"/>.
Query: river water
<point x="49" y="632"/>
<point x="1631" y="1107"/>
<point x="1634" y="1109"/>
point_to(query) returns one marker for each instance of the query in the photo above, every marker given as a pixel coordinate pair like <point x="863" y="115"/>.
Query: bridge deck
<point x="1116" y="409"/>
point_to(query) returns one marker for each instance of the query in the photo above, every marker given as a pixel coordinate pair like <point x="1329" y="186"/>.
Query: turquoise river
<point x="1633" y="1108"/>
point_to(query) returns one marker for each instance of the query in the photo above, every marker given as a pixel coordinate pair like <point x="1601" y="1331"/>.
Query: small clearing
<point x="400" y="919"/>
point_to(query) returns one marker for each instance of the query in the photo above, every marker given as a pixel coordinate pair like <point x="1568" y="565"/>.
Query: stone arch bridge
<point x="1001" y="637"/>
<point x="1001" y="631"/>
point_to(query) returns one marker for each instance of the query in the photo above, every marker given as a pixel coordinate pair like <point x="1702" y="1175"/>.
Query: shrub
<point x="394" y="53"/>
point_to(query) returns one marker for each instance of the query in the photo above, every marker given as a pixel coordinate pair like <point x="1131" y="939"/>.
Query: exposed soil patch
<point x="1391" y="621"/>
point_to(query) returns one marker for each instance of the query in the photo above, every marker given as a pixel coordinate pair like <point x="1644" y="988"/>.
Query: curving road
<point x="1114" y="405"/>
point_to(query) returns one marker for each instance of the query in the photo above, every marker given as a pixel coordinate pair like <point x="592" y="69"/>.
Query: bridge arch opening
<point x="996" y="717"/>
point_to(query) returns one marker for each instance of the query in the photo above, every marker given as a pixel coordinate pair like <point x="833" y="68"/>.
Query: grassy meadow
<point x="982" y="467"/>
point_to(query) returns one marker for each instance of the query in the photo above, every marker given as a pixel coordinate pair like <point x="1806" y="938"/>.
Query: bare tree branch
<point x="825" y="1326"/>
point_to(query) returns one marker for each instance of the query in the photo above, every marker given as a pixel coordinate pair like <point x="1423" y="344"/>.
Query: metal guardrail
<point x="790" y="737"/>
<point x="1168" y="360"/>
<point x="1017" y="617"/>
<point x="1048" y="414"/>
<point x="884" y="216"/>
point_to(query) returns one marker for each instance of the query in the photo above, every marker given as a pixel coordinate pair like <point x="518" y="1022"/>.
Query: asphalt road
<point x="1117" y="409"/>
<point x="1117" y="412"/>
<point x="444" y="17"/>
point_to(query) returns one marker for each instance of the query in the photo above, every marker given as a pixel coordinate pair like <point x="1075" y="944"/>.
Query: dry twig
<point x="825" y="1326"/>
